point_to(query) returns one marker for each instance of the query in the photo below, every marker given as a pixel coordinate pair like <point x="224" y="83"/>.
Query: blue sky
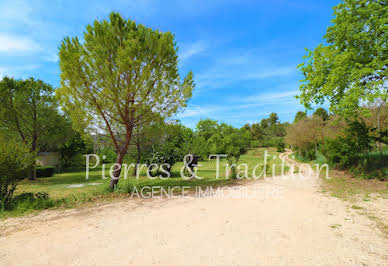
<point x="243" y="53"/>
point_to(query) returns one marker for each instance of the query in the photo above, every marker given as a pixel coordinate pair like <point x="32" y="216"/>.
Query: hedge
<point x="45" y="171"/>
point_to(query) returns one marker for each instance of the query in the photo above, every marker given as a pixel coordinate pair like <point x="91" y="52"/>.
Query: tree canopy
<point x="322" y="113"/>
<point x="119" y="77"/>
<point x="299" y="116"/>
<point x="29" y="111"/>
<point x="351" y="68"/>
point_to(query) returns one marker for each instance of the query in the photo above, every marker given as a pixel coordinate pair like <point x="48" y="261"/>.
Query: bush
<point x="306" y="153"/>
<point x="254" y="144"/>
<point x="15" y="161"/>
<point x="71" y="150"/>
<point x="45" y="171"/>
<point x="163" y="154"/>
<point x="340" y="152"/>
<point x="280" y="146"/>
<point x="107" y="155"/>
<point x="31" y="201"/>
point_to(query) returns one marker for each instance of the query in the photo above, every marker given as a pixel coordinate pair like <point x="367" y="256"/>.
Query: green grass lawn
<point x="71" y="188"/>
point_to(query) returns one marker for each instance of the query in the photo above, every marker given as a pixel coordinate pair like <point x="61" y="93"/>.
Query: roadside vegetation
<point x="71" y="189"/>
<point x="353" y="151"/>
<point x="349" y="73"/>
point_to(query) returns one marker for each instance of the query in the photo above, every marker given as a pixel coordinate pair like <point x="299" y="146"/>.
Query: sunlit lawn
<point x="73" y="182"/>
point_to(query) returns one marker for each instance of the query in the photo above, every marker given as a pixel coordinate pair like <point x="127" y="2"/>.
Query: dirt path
<point x="285" y="221"/>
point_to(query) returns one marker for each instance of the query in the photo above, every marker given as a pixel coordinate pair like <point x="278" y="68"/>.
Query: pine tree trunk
<point x="116" y="173"/>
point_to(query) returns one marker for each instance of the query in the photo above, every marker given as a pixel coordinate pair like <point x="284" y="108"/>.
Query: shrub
<point x="340" y="152"/>
<point x="71" y="149"/>
<point x="163" y="154"/>
<point x="31" y="201"/>
<point x="107" y="155"/>
<point x="45" y="171"/>
<point x="280" y="146"/>
<point x="15" y="161"/>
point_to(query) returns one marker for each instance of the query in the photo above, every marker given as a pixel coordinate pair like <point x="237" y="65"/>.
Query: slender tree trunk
<point x="378" y="130"/>
<point x="116" y="173"/>
<point x="137" y="159"/>
<point x="34" y="142"/>
<point x="32" y="174"/>
<point x="119" y="160"/>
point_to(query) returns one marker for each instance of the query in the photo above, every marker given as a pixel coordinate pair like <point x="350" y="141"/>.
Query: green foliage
<point x="340" y="152"/>
<point x="322" y="113"/>
<point x="299" y="116"/>
<point x="207" y="128"/>
<point x="222" y="138"/>
<point x="268" y="133"/>
<point x="29" y="112"/>
<point x="107" y="155"/>
<point x="164" y="154"/>
<point x="45" y="171"/>
<point x="351" y="69"/>
<point x="15" y="161"/>
<point x="72" y="147"/>
<point x="28" y="201"/>
<point x="176" y="144"/>
<point x="345" y="151"/>
<point x="121" y="76"/>
<point x="280" y="146"/>
<point x="144" y="136"/>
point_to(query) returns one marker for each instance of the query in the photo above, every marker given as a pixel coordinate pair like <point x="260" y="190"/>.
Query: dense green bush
<point x="72" y="151"/>
<point x="268" y="132"/>
<point x="107" y="155"/>
<point x="45" y="171"/>
<point x="163" y="154"/>
<point x="280" y="146"/>
<point x="15" y="161"/>
<point x="350" y="150"/>
<point x="306" y="152"/>
<point x="31" y="201"/>
<point x="340" y="152"/>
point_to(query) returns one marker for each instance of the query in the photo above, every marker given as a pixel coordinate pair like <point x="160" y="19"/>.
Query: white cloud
<point x="52" y="58"/>
<point x="194" y="110"/>
<point x="272" y="96"/>
<point x="191" y="50"/>
<point x="240" y="66"/>
<point x="269" y="73"/>
<point x="11" y="44"/>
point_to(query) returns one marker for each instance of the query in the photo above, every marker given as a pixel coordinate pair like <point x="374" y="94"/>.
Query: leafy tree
<point x="119" y="77"/>
<point x="235" y="145"/>
<point x="378" y="119"/>
<point x="199" y="146"/>
<point x="269" y="132"/>
<point x="15" y="160"/>
<point x="299" y="116"/>
<point x="29" y="111"/>
<point x="273" y="119"/>
<point x="206" y="128"/>
<point x="256" y="131"/>
<point x="345" y="150"/>
<point x="144" y="137"/>
<point x="352" y="67"/>
<point x="322" y="113"/>
<point x="305" y="135"/>
<point x="173" y="147"/>
<point x="72" y="147"/>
